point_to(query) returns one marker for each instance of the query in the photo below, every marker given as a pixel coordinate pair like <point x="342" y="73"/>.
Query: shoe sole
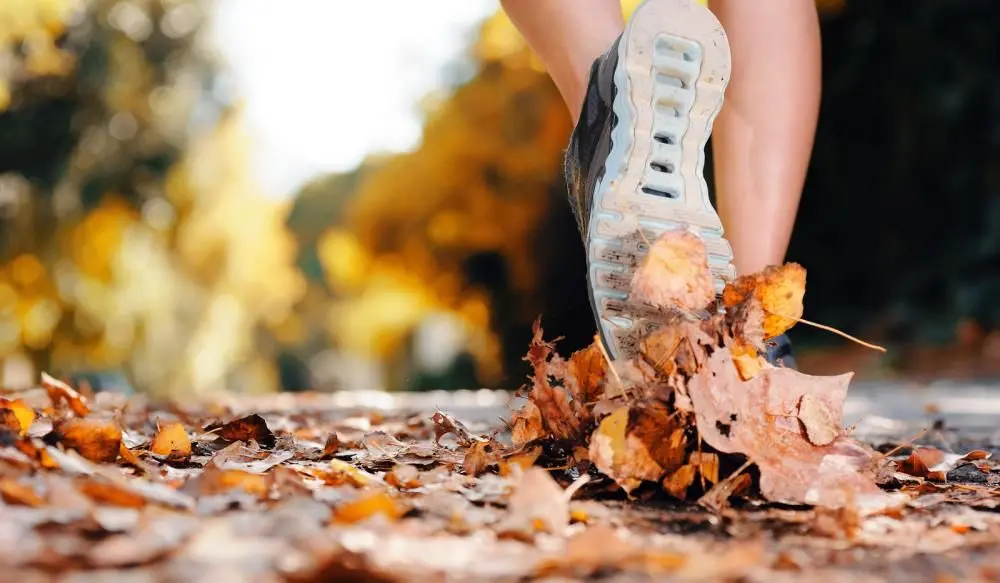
<point x="672" y="72"/>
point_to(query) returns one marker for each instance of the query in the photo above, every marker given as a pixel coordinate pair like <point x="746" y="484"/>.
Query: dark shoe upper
<point x="779" y="352"/>
<point x="590" y="142"/>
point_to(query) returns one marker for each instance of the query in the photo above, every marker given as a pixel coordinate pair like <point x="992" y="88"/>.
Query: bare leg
<point x="764" y="133"/>
<point x="567" y="35"/>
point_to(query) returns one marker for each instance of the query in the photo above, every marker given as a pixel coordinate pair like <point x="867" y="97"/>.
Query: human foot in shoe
<point x="634" y="166"/>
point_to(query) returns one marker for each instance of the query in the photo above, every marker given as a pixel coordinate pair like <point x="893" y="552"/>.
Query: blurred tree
<point x="130" y="233"/>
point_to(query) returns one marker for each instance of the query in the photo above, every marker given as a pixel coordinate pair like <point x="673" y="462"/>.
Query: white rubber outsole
<point x="673" y="68"/>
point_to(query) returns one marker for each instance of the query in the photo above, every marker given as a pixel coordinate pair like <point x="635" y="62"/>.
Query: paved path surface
<point x="877" y="409"/>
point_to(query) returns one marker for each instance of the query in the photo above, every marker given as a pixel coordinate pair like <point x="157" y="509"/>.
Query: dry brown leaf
<point x="9" y="421"/>
<point x="921" y="461"/>
<point x="404" y="477"/>
<point x="719" y="495"/>
<point x="748" y="361"/>
<point x="60" y="392"/>
<point x="445" y="424"/>
<point x="561" y="415"/>
<point x="707" y="464"/>
<point x="821" y="425"/>
<point x="172" y="441"/>
<point x="769" y="302"/>
<point x="367" y="506"/>
<point x="480" y="456"/>
<point x="526" y="424"/>
<point x="758" y="418"/>
<point x="626" y="461"/>
<point x="538" y="503"/>
<point x="129" y="456"/>
<point x="521" y="460"/>
<point x="586" y="371"/>
<point x="17" y="493"/>
<point x="332" y="446"/>
<point x="341" y="472"/>
<point x="107" y="492"/>
<point x="98" y="440"/>
<point x="213" y="481"/>
<point x="39" y="454"/>
<point x="249" y="428"/>
<point x="677" y="483"/>
<point x="23" y="415"/>
<point x="674" y="274"/>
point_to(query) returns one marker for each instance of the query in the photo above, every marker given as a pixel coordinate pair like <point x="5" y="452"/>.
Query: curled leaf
<point x="98" y="440"/>
<point x="60" y="392"/>
<point x="172" y="442"/>
<point x="249" y="428"/>
<point x="16" y="415"/>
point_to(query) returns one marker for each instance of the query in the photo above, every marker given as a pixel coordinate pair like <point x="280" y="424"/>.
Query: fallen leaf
<point x="707" y="464"/>
<point x="107" y="492"/>
<point x="677" y="483"/>
<point x="341" y="472"/>
<point x="98" y="440"/>
<point x="519" y="460"/>
<point x="770" y="301"/>
<point x="822" y="426"/>
<point x="757" y="418"/>
<point x="237" y="456"/>
<point x="445" y="424"/>
<point x="638" y="443"/>
<point x="129" y="456"/>
<point x="18" y="493"/>
<point x="404" y="477"/>
<point x="249" y="428"/>
<point x="172" y="442"/>
<point x="480" y="456"/>
<point x="611" y="454"/>
<point x="586" y="371"/>
<point x="561" y="415"/>
<point x="538" y="503"/>
<point x="674" y="274"/>
<point x="526" y="424"/>
<point x="367" y="506"/>
<point x="332" y="446"/>
<point x="23" y="415"/>
<point x="214" y="481"/>
<point x="9" y="421"/>
<point x="60" y="392"/>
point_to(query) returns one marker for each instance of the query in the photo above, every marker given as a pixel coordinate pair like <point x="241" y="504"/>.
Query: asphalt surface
<point x="877" y="410"/>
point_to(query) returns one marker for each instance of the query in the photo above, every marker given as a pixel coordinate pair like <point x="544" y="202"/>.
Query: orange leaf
<point x="771" y="299"/>
<point x="172" y="441"/>
<point x="128" y="455"/>
<point x="368" y="506"/>
<point x="23" y="414"/>
<point x="215" y="481"/>
<point x="60" y="392"/>
<point x="106" y="492"/>
<point x="95" y="439"/>
<point x="587" y="368"/>
<point x="14" y="492"/>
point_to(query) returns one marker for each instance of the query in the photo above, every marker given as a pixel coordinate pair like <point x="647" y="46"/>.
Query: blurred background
<point x="199" y="195"/>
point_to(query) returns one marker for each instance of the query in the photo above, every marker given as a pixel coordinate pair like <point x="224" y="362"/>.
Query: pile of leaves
<point x="292" y="488"/>
<point x="699" y="406"/>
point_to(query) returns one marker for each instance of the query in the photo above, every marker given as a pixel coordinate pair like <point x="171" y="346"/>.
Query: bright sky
<point x="326" y="81"/>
